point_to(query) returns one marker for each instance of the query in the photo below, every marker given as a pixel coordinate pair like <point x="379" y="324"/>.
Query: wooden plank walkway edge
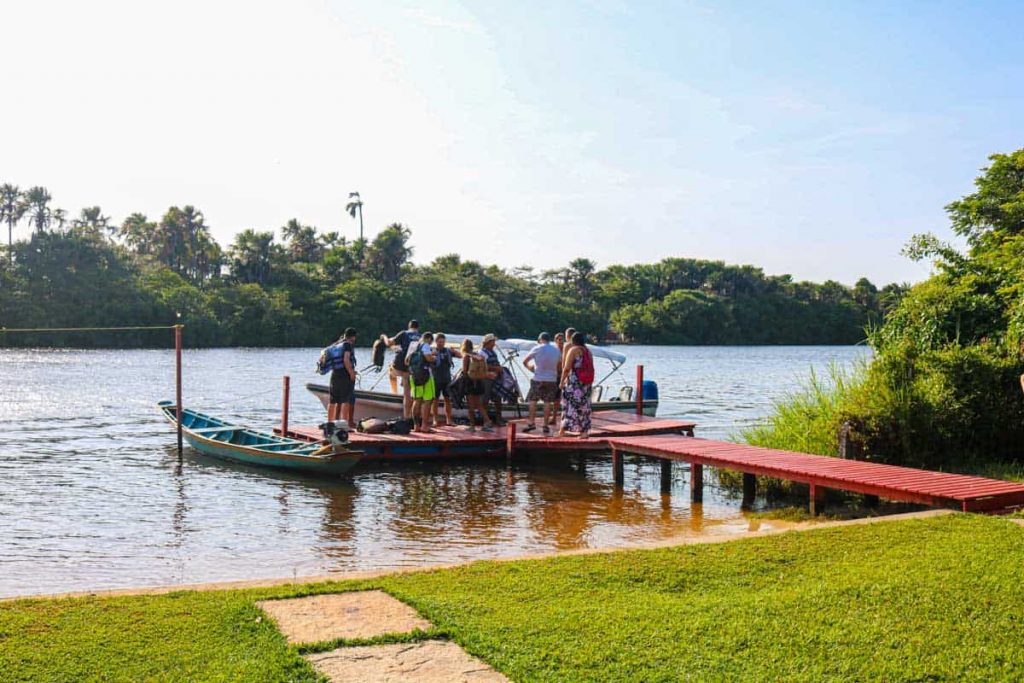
<point x="937" y="489"/>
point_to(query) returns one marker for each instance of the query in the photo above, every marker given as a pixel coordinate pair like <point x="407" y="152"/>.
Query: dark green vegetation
<point x="306" y="287"/>
<point x="935" y="600"/>
<point x="943" y="389"/>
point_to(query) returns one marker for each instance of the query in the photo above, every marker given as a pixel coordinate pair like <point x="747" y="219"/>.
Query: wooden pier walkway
<point x="446" y="442"/>
<point x="672" y="440"/>
<point x="937" y="489"/>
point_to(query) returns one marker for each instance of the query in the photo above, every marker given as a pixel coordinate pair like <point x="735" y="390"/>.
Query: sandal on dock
<point x="531" y="427"/>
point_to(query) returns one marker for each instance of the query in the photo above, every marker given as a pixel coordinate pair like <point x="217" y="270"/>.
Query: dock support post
<point x="666" y="475"/>
<point x="177" y="380"/>
<point x="696" y="483"/>
<point x="618" y="471"/>
<point x="749" y="491"/>
<point x="284" y="405"/>
<point x="510" y="441"/>
<point x="817" y="500"/>
<point x="639" y="390"/>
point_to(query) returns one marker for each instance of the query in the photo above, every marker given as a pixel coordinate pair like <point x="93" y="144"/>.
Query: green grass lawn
<point x="919" y="600"/>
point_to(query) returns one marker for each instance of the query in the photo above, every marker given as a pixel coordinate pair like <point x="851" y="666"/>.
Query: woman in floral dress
<point x="576" y="406"/>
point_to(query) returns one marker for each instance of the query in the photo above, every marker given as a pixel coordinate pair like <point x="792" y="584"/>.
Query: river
<point x="93" y="494"/>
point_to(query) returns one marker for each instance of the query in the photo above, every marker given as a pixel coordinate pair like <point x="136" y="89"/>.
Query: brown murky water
<point x="93" y="495"/>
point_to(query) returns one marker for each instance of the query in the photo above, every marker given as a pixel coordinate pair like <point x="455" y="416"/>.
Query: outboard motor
<point x="335" y="432"/>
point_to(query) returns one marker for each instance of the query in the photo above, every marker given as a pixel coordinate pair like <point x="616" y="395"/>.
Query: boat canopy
<point x="513" y="347"/>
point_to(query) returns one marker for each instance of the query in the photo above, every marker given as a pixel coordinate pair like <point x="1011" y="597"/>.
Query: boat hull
<point x="215" y="438"/>
<point x="386" y="405"/>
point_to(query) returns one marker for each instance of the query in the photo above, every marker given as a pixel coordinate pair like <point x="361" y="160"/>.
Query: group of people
<point x="562" y="368"/>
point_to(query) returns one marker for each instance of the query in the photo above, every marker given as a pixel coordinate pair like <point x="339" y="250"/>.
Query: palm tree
<point x="251" y="256"/>
<point x="91" y="219"/>
<point x="353" y="206"/>
<point x="39" y="214"/>
<point x="60" y="217"/>
<point x="12" y="208"/>
<point x="389" y="252"/>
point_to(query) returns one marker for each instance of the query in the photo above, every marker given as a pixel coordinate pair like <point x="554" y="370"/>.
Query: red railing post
<point x="510" y="440"/>
<point x="284" y="405"/>
<point x="177" y="380"/>
<point x="639" y="390"/>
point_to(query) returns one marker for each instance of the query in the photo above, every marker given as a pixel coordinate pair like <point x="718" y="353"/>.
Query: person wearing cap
<point x="343" y="378"/>
<point x="488" y="352"/>
<point x="404" y="340"/>
<point x="543" y="361"/>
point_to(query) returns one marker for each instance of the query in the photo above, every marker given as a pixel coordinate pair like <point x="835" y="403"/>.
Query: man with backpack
<point x="443" y="365"/>
<point x="403" y="341"/>
<point x="340" y="360"/>
<point x="420" y="360"/>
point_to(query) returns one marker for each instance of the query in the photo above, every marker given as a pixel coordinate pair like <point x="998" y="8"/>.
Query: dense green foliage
<point x="935" y="599"/>
<point x="943" y="389"/>
<point x="303" y="288"/>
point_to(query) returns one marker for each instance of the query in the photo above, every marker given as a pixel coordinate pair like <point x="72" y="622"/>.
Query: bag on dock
<point x="400" y="426"/>
<point x="372" y="425"/>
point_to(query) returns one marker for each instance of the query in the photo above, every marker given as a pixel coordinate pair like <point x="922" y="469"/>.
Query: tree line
<point x="298" y="285"/>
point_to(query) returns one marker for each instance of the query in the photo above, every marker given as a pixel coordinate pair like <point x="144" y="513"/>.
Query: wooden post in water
<point x="817" y="500"/>
<point x="510" y="441"/>
<point x="284" y="405"/>
<point x="696" y="483"/>
<point x="177" y="380"/>
<point x="639" y="390"/>
<point x="618" y="469"/>
<point x="749" y="490"/>
<point x="666" y="475"/>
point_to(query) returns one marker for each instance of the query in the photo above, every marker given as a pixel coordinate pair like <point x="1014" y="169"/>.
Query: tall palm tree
<point x="12" y="208"/>
<point x="353" y="206"/>
<point x="39" y="214"/>
<point x="91" y="219"/>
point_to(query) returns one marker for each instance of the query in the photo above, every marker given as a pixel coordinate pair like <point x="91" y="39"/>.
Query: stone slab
<point x="431" y="661"/>
<point x="360" y="614"/>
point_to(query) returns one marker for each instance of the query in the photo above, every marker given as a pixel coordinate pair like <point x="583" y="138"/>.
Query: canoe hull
<point x="218" y="439"/>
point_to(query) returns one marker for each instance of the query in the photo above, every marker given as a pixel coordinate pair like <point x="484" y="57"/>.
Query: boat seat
<point x="626" y="393"/>
<point x="213" y="430"/>
<point x="595" y="393"/>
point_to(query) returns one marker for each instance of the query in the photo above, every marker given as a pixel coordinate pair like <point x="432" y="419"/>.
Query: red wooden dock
<point x="457" y="441"/>
<point x="939" y="489"/>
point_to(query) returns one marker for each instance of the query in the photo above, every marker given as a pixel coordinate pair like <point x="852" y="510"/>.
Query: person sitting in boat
<point x="340" y="359"/>
<point x="474" y="370"/>
<point x="543" y="361"/>
<point x="403" y="341"/>
<point x="420" y="361"/>
<point x="443" y="365"/>
<point x="490" y="355"/>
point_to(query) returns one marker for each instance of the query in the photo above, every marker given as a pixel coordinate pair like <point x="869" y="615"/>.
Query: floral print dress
<point x="576" y="407"/>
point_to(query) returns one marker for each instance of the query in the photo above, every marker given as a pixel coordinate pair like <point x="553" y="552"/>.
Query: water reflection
<point x="93" y="493"/>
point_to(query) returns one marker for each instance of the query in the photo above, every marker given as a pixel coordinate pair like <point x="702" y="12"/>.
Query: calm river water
<point x="93" y="495"/>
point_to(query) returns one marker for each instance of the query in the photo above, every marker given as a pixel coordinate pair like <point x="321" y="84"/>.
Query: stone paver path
<point x="361" y="614"/>
<point x="430" y="661"/>
<point x="368" y="614"/>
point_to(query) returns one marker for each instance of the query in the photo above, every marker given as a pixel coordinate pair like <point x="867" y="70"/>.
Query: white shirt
<point x="545" y="357"/>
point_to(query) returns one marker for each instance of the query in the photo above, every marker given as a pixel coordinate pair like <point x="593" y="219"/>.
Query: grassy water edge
<point x="927" y="599"/>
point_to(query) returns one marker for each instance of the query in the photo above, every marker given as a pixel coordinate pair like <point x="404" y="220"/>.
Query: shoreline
<point x="269" y="582"/>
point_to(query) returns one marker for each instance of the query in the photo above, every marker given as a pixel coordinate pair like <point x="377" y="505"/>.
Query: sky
<point x="804" y="138"/>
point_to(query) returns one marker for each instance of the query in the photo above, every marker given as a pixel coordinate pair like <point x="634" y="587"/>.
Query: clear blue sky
<point x="808" y="138"/>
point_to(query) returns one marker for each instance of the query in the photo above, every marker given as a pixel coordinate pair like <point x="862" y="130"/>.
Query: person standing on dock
<point x="442" y="370"/>
<point x="343" y="377"/>
<point x="577" y="380"/>
<point x="543" y="361"/>
<point x="403" y="340"/>
<point x="493" y="375"/>
<point x="420" y="362"/>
